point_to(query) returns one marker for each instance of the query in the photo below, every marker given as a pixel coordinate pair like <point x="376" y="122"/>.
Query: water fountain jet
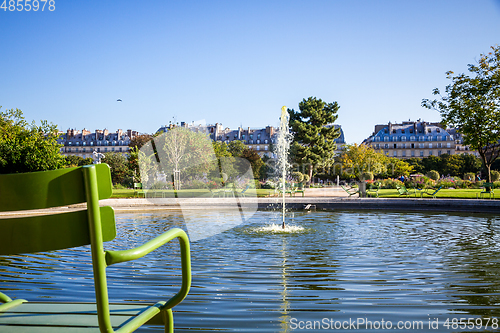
<point x="282" y="151"/>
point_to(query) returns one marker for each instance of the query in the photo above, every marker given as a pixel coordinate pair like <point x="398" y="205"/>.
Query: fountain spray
<point x="282" y="148"/>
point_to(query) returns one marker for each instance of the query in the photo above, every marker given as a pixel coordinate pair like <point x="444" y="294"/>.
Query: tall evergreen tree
<point x="313" y="142"/>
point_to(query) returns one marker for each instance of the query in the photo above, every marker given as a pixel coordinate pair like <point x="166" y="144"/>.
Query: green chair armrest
<point x="114" y="257"/>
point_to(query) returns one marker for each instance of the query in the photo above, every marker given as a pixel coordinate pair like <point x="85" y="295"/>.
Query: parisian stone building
<point x="412" y="139"/>
<point x="84" y="143"/>
<point x="416" y="139"/>
<point x="258" y="139"/>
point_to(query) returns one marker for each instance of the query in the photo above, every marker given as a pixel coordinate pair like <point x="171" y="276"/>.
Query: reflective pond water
<point x="345" y="270"/>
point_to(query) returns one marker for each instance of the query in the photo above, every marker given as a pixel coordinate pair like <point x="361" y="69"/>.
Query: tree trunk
<point x="310" y="173"/>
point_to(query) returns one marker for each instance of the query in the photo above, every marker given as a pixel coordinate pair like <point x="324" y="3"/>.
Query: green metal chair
<point x="138" y="192"/>
<point x="94" y="225"/>
<point x="373" y="190"/>
<point x="431" y="193"/>
<point x="488" y="191"/>
<point x="402" y="190"/>
<point x="299" y="188"/>
<point x="350" y="191"/>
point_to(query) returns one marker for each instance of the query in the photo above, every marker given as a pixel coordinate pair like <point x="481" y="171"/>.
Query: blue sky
<point x="236" y="62"/>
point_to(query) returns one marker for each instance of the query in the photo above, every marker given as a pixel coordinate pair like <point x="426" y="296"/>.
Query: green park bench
<point x="93" y="225"/>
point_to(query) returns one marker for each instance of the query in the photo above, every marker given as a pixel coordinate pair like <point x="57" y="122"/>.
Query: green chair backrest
<point x="46" y="189"/>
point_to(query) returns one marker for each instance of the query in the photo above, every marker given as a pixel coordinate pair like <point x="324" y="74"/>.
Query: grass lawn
<point x="382" y="193"/>
<point x="443" y="193"/>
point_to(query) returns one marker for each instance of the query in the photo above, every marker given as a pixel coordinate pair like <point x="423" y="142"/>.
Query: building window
<point x="98" y="150"/>
<point x="420" y="145"/>
<point x="83" y="149"/>
<point x="395" y="153"/>
<point x="448" y="145"/>
<point x="430" y="152"/>
<point x="243" y="136"/>
<point x="120" y="149"/>
<point x="402" y="130"/>
<point x="412" y="138"/>
<point x="395" y="145"/>
<point x="386" y="138"/>
<point x="105" y="150"/>
<point x="412" y="145"/>
<point x="377" y="146"/>
<point x="113" y="149"/>
<point x="258" y="147"/>
<point x="411" y="130"/>
<point x="421" y="153"/>
<point x="439" y="144"/>
<point x="403" y="138"/>
<point x="439" y="152"/>
<point x="430" y="145"/>
<point x="412" y="153"/>
<point x="394" y="131"/>
<point x="251" y="136"/>
<point x="403" y="145"/>
<point x="404" y="153"/>
<point x="386" y="146"/>
<point x="448" y="152"/>
<point x="266" y="147"/>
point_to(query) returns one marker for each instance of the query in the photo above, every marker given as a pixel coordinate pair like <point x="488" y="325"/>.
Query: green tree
<point x="398" y="167"/>
<point x="225" y="162"/>
<point x="255" y="161"/>
<point x="139" y="140"/>
<point x="313" y="142"/>
<point x="118" y="165"/>
<point x="417" y="165"/>
<point x="357" y="159"/>
<point x="182" y="151"/>
<point x="27" y="147"/>
<point x="236" y="148"/>
<point x="74" y="161"/>
<point x="472" y="105"/>
<point x="470" y="164"/>
<point x="451" y="165"/>
<point x="432" y="163"/>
